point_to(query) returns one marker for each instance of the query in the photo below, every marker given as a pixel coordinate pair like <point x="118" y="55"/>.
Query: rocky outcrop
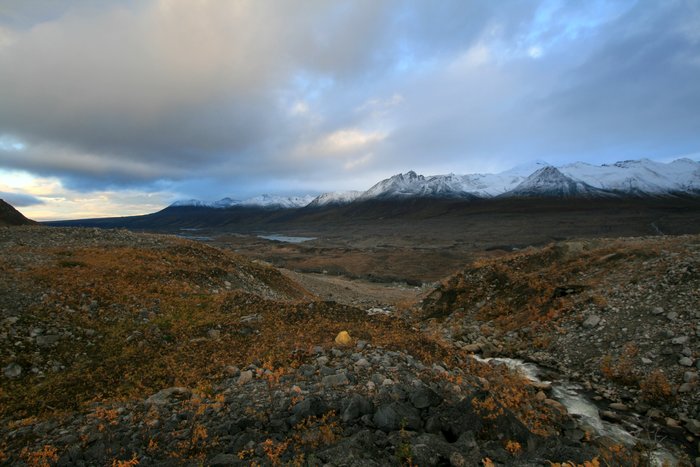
<point x="392" y="410"/>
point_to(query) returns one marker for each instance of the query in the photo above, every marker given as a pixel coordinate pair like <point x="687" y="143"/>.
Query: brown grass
<point x="172" y="347"/>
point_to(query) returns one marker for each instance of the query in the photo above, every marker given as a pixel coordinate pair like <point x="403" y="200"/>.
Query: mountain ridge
<point x="636" y="178"/>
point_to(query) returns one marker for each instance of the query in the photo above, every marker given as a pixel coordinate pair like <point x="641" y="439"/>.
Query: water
<point x="286" y="238"/>
<point x="196" y="237"/>
<point x="571" y="396"/>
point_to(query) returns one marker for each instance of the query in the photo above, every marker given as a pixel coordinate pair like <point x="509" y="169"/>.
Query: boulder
<point x="343" y="338"/>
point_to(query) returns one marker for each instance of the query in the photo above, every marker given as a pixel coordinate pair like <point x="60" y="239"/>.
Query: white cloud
<point x="59" y="202"/>
<point x="344" y="142"/>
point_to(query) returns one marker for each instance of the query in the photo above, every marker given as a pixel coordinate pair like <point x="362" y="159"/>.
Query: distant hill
<point x="10" y="216"/>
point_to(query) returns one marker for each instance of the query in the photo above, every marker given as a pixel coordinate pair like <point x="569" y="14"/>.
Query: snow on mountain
<point x="638" y="178"/>
<point x="490" y="185"/>
<point x="397" y="186"/>
<point x="191" y="202"/>
<point x="269" y="201"/>
<point x="224" y="203"/>
<point x="411" y="184"/>
<point x="631" y="178"/>
<point x="549" y="182"/>
<point x="335" y="198"/>
<point x="642" y="177"/>
<point x="266" y="201"/>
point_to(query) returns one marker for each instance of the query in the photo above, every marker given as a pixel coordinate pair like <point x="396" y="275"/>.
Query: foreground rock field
<point x="123" y="349"/>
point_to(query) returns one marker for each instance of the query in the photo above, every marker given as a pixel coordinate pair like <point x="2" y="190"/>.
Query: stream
<point x="572" y="396"/>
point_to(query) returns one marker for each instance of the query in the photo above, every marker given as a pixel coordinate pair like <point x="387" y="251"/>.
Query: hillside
<point x="119" y="348"/>
<point x="11" y="216"/>
<point x="618" y="316"/>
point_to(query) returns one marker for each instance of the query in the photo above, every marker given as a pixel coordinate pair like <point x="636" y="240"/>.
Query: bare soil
<point x="356" y="292"/>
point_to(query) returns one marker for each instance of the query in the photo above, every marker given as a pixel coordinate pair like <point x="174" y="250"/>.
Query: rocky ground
<point x="348" y="405"/>
<point x="621" y="316"/>
<point x="122" y="349"/>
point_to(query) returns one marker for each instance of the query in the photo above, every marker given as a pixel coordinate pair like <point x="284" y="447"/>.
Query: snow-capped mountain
<point x="269" y="201"/>
<point x="628" y="178"/>
<point x="411" y="184"/>
<point x="549" y="182"/>
<point x="642" y="177"/>
<point x="335" y="198"/>
<point x="265" y="201"/>
<point x="192" y="202"/>
<point x="538" y="179"/>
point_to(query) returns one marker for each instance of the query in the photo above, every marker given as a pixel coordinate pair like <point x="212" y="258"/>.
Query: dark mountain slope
<point x="10" y="216"/>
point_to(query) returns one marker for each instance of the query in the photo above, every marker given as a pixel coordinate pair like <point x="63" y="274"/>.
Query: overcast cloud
<point x="210" y="99"/>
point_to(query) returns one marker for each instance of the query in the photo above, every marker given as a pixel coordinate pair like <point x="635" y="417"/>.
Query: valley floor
<point x="118" y="347"/>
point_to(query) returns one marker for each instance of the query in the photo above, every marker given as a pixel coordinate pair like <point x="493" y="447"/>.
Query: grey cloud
<point x="19" y="199"/>
<point x="198" y="95"/>
<point x="637" y="93"/>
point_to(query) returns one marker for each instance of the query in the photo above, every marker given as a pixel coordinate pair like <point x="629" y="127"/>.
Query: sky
<point x="112" y="108"/>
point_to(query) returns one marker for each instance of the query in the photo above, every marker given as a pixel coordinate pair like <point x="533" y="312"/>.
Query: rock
<point x="672" y="316"/>
<point x="679" y="340"/>
<point x="424" y="397"/>
<point x="395" y="416"/>
<point x="343" y="338"/>
<point x="541" y="385"/>
<point x="657" y="310"/>
<point x="12" y="371"/>
<point x="357" y="407"/>
<point x="592" y="321"/>
<point x="223" y="460"/>
<point x="687" y="387"/>
<point x="472" y="348"/>
<point x="164" y="396"/>
<point x="685" y="361"/>
<point x="540" y="396"/>
<point x="249" y="319"/>
<point x="690" y="376"/>
<point x="311" y="406"/>
<point x="646" y="361"/>
<point x="47" y="340"/>
<point x="246" y="377"/>
<point x="693" y="426"/>
<point x="556" y="405"/>
<point x="322" y="360"/>
<point x="362" y="363"/>
<point x="339" y="379"/>
<point x="232" y="371"/>
<point x="214" y="334"/>
<point x="610" y="416"/>
<point x="457" y="459"/>
<point x="619" y="407"/>
<point x="671" y="423"/>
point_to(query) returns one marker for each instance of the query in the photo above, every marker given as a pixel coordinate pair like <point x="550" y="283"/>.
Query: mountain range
<point x="632" y="178"/>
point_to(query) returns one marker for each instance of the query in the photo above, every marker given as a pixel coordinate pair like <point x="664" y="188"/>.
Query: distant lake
<point x="195" y="237"/>
<point x="286" y="238"/>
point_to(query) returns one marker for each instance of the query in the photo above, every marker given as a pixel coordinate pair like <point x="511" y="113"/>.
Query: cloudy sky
<point x="121" y="107"/>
